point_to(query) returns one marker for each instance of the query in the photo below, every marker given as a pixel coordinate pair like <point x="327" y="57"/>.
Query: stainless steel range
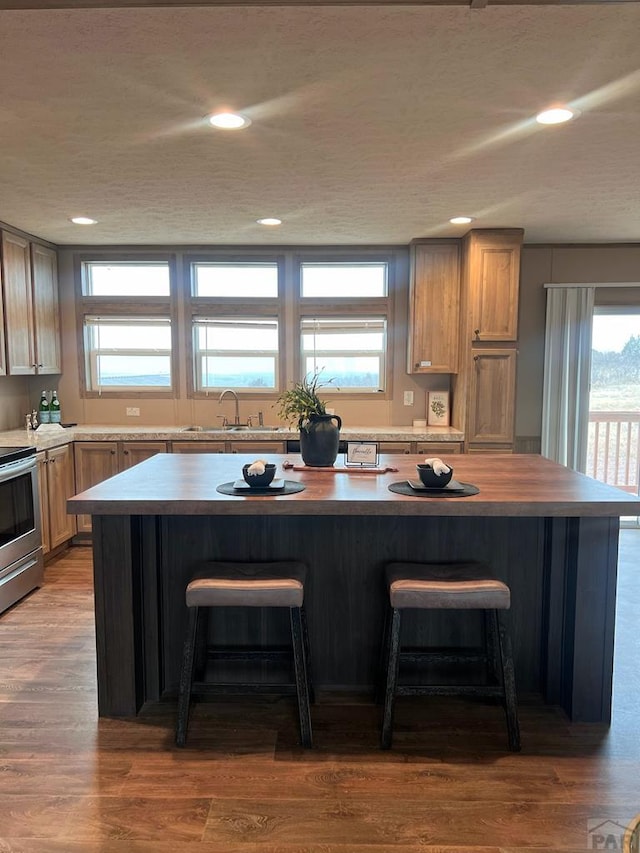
<point x="21" y="567"/>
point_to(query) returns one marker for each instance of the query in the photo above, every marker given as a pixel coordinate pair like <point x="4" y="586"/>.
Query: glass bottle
<point x="55" y="414"/>
<point x="43" y="409"/>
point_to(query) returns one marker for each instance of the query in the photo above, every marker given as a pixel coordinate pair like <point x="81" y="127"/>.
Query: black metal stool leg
<point x="509" y="683"/>
<point x="491" y="646"/>
<point x="186" y="677"/>
<point x="383" y="663"/>
<point x="300" y="667"/>
<point x="307" y="652"/>
<point x="391" y="681"/>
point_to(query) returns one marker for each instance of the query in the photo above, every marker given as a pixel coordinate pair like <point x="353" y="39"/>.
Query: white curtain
<point x="567" y="371"/>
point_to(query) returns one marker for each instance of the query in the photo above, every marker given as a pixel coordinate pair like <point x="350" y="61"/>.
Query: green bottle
<point x="44" y="414"/>
<point x="54" y="409"/>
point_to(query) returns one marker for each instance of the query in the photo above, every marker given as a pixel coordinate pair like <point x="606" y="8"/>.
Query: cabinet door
<point x="438" y="448"/>
<point x="132" y="452"/>
<point x="46" y="312"/>
<point x="95" y="461"/>
<point x="61" y="486"/>
<point x="18" y="305"/>
<point x="494" y="282"/>
<point x="198" y="446"/>
<point x="257" y="447"/>
<point x="43" y="489"/>
<point x="394" y="446"/>
<point x="492" y="397"/>
<point x="434" y="308"/>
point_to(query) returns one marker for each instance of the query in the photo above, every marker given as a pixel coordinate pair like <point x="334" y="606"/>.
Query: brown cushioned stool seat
<point x="448" y="586"/>
<point x="235" y="584"/>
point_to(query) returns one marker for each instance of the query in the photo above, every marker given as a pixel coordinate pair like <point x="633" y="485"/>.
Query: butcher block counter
<point x="550" y="533"/>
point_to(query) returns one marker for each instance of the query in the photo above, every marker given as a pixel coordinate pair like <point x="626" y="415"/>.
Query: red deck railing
<point x="612" y="454"/>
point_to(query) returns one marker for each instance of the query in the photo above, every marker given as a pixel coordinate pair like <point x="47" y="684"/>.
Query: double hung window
<point x="125" y="310"/>
<point x="235" y="325"/>
<point x="344" y="308"/>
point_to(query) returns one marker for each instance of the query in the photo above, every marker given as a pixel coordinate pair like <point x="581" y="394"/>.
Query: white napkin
<point x="257" y="467"/>
<point x="439" y="467"/>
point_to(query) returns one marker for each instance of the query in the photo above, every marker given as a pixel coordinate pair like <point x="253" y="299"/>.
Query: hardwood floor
<point x="70" y="782"/>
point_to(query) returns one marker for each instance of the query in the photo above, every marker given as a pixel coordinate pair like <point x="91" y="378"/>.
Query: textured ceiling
<point x="370" y="125"/>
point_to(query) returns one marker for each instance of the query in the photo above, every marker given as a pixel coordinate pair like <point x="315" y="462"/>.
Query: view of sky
<point x="612" y="331"/>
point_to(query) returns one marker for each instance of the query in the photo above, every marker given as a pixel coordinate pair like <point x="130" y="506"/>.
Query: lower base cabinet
<point x="96" y="461"/>
<point x="56" y="483"/>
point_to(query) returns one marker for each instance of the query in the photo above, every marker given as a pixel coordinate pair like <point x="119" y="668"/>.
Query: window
<point x="236" y="352"/>
<point x="237" y="280"/>
<point x="349" y="350"/>
<point x="132" y="354"/>
<point x="343" y="280"/>
<point x="105" y="278"/>
<point x="343" y="314"/>
<point x="125" y="309"/>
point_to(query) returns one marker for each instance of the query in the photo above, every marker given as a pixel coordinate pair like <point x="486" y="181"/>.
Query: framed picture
<point x="438" y="408"/>
<point x="361" y="454"/>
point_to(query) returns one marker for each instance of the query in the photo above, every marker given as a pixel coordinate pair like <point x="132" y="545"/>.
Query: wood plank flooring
<point x="71" y="783"/>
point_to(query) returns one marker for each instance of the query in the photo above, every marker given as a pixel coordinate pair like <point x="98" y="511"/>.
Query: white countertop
<point x="53" y="435"/>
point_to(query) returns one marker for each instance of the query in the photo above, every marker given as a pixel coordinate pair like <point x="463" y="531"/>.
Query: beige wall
<point x="562" y="264"/>
<point x="540" y="264"/>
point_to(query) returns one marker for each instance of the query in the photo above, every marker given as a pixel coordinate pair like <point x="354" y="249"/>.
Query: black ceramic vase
<point x="319" y="440"/>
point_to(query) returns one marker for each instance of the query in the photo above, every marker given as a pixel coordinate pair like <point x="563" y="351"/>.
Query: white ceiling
<point x="370" y="124"/>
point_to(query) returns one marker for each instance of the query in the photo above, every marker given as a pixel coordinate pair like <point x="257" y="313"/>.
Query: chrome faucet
<point x="235" y="397"/>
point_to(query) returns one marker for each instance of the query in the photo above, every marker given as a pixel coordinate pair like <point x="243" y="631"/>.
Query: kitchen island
<point x="550" y="533"/>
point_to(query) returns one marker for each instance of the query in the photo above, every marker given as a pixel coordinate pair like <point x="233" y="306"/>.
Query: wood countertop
<point x="510" y="485"/>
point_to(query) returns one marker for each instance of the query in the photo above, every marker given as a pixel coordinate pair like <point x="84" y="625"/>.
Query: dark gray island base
<point x="550" y="533"/>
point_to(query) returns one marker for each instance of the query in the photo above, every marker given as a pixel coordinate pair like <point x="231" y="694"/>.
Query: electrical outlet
<point x="408" y="398"/>
<point x="133" y="412"/>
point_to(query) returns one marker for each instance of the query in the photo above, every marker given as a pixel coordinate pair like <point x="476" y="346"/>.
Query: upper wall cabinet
<point x="46" y="311"/>
<point x="31" y="316"/>
<point x="492" y="272"/>
<point x="434" y="305"/>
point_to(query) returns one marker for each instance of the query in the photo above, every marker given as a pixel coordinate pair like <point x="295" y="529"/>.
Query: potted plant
<point x="319" y="437"/>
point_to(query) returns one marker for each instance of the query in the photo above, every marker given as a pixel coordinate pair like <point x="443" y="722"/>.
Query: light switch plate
<point x="408" y="398"/>
<point x="133" y="412"/>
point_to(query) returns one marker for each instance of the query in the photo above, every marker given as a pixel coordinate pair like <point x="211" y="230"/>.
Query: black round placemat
<point x="403" y="488"/>
<point x="290" y="488"/>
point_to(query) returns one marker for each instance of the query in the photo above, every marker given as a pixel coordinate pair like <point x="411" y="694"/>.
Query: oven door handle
<point x="14" y="469"/>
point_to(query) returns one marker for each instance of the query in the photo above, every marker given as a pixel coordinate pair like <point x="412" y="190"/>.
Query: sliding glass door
<point x="614" y="399"/>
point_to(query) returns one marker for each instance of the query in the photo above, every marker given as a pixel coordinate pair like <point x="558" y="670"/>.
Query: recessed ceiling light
<point x="229" y="121"/>
<point x="269" y="220"/>
<point x="83" y="220"/>
<point x="461" y="220"/>
<point x="556" y="115"/>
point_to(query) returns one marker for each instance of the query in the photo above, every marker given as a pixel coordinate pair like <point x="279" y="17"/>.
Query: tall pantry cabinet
<point x="31" y="316"/>
<point x="484" y="390"/>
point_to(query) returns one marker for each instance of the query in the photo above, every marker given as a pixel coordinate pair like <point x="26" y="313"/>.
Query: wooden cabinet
<point x="484" y="391"/>
<point x="438" y="448"/>
<point x="31" y="315"/>
<point x="492" y="272"/>
<point x="18" y="305"/>
<point x="257" y="447"/>
<point x="198" y="447"/>
<point x="434" y="307"/>
<point x="46" y="311"/>
<point x="56" y="482"/>
<point x="395" y="447"/>
<point x="132" y="452"/>
<point x="96" y="461"/>
<point x="492" y="398"/>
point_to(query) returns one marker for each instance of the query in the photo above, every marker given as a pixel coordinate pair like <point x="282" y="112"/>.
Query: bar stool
<point x="459" y="586"/>
<point x="231" y="584"/>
